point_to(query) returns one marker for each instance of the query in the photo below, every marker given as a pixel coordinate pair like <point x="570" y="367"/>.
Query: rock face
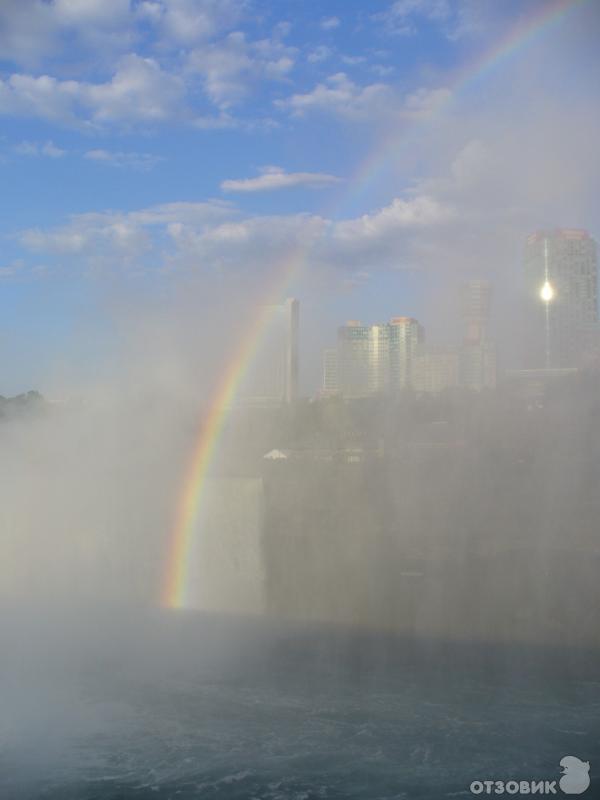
<point x="369" y="544"/>
<point x="227" y="563"/>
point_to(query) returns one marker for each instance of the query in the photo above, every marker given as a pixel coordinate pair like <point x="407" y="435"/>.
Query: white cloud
<point x="455" y="19"/>
<point x="183" y="37"/>
<point x="214" y="236"/>
<point x="254" y="243"/>
<point x="27" y="149"/>
<point x="386" y="239"/>
<point x="120" y="235"/>
<point x="198" y="215"/>
<point x="341" y="96"/>
<point x="63" y="241"/>
<point x="356" y="280"/>
<point x="101" y="238"/>
<point x="118" y="158"/>
<point x="231" y="66"/>
<point x="48" y="149"/>
<point x="31" y="30"/>
<point x="276" y="178"/>
<point x="138" y="91"/>
<point x="12" y="269"/>
<point x="422" y="211"/>
<point x="220" y="121"/>
<point x="424" y="101"/>
<point x="329" y="23"/>
<point x="400" y="17"/>
<point x="382" y="70"/>
<point x="352" y="61"/>
<point x="282" y="29"/>
<point x="320" y="53"/>
<point x="27" y="30"/>
<point x="220" y="66"/>
<point x="432" y="9"/>
<point x="189" y="21"/>
<point x="43" y="96"/>
<point x="52" y="151"/>
<point x="109" y="13"/>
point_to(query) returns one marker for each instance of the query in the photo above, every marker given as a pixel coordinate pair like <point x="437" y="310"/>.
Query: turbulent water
<point x="114" y="705"/>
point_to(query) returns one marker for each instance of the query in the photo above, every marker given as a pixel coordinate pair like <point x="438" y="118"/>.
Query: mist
<point x="435" y="554"/>
<point x="299" y="400"/>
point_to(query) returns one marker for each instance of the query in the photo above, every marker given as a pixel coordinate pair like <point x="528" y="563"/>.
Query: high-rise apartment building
<point x="561" y="286"/>
<point x="273" y="374"/>
<point x="363" y="359"/>
<point x="330" y="384"/>
<point x="435" y="369"/>
<point x="375" y="359"/>
<point x="292" y="324"/>
<point x="478" y="365"/>
<point x="476" y="303"/>
<point x="405" y="336"/>
<point x="478" y="353"/>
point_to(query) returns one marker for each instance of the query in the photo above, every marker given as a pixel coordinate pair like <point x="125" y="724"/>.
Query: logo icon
<point x="575" y="780"/>
<point x="575" y="777"/>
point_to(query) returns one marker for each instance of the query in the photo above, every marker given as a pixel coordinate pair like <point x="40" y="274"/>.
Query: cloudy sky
<point x="151" y="149"/>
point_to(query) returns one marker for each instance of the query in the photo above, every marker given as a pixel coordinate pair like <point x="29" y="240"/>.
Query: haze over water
<point x="233" y="565"/>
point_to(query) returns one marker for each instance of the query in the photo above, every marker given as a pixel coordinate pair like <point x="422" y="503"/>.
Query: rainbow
<point x="523" y="32"/>
<point x="175" y="585"/>
<point x="181" y="538"/>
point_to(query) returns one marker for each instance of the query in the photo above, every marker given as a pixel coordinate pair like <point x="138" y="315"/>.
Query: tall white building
<point x="330" y="384"/>
<point x="375" y="359"/>
<point x="406" y="334"/>
<point x="478" y="365"/>
<point x="478" y="353"/>
<point x="476" y="302"/>
<point x="435" y="369"/>
<point x="273" y="373"/>
<point x="363" y="359"/>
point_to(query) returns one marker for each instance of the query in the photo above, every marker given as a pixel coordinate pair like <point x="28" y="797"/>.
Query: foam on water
<point x="188" y="711"/>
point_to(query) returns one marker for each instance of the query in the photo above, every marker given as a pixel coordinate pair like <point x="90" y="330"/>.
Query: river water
<point x="129" y="704"/>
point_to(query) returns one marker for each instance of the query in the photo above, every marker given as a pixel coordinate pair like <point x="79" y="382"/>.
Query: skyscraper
<point x="376" y="358"/>
<point x="476" y="297"/>
<point x="478" y="353"/>
<point x="560" y="271"/>
<point x="405" y="335"/>
<point x="273" y="374"/>
<point x="363" y="359"/>
<point x="330" y="372"/>
<point x="434" y="369"/>
<point x="292" y="314"/>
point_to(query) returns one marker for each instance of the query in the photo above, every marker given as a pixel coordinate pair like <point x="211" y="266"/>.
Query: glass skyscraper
<point x="376" y="358"/>
<point x="273" y="374"/>
<point x="561" y="288"/>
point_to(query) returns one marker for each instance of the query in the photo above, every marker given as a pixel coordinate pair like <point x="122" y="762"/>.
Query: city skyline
<point x="559" y="270"/>
<point x="557" y="317"/>
<point x="165" y="160"/>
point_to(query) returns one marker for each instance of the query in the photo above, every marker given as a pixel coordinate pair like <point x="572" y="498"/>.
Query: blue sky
<point x="147" y="146"/>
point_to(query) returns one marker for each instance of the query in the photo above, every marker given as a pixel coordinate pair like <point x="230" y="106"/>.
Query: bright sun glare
<point x="546" y="292"/>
